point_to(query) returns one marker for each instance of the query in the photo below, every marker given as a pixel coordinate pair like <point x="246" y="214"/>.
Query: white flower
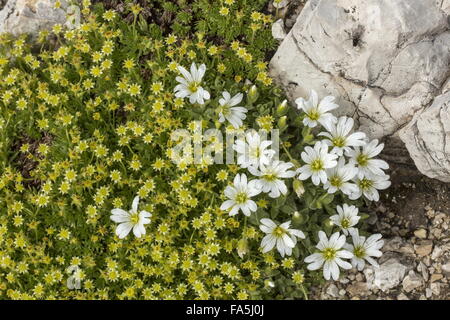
<point x="190" y="84"/>
<point x="271" y="175"/>
<point x="330" y="255"/>
<point x="369" y="186"/>
<point x="130" y="220"/>
<point x="339" y="176"/>
<point x="339" y="136"/>
<point x="317" y="161"/>
<point x="364" y="249"/>
<point x="228" y="111"/>
<point x="240" y="195"/>
<point x="252" y="151"/>
<point x="280" y="235"/>
<point x="362" y="158"/>
<point x="346" y="218"/>
<point x="317" y="112"/>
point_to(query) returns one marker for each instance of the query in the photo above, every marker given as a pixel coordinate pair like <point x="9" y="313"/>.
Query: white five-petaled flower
<point x="317" y="161"/>
<point x="369" y="186"/>
<point x="330" y="255"/>
<point x="229" y="111"/>
<point x="239" y="196"/>
<point x="339" y="137"/>
<point x="270" y="177"/>
<point x="280" y="235"/>
<point x="190" y="84"/>
<point x="346" y="218"/>
<point x="339" y="177"/>
<point x="317" y="112"/>
<point x="253" y="151"/>
<point x="363" y="159"/>
<point x="130" y="220"/>
<point x="364" y="249"/>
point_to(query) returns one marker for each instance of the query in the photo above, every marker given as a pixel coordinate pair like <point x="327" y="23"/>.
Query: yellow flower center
<point x="193" y="86"/>
<point x="278" y="232"/>
<point x="270" y="177"/>
<point x="314" y="115"/>
<point x="336" y="181"/>
<point x="329" y="254"/>
<point x="365" y="184"/>
<point x="359" y="252"/>
<point x="255" y="152"/>
<point x="362" y="160"/>
<point x="225" y="110"/>
<point x="317" y="165"/>
<point x="134" y="218"/>
<point x="345" y="223"/>
<point x="241" y="198"/>
<point x="338" y="142"/>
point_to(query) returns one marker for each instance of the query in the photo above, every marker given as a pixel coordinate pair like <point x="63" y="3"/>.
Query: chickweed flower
<point x="317" y="112"/>
<point x="253" y="151"/>
<point x="346" y="218"/>
<point x="317" y="161"/>
<point x="229" y="111"/>
<point x="339" y="137"/>
<point x="240" y="195"/>
<point x="362" y="158"/>
<point x="339" y="177"/>
<point x="330" y="256"/>
<point x="364" y="249"/>
<point x="280" y="236"/>
<point x="369" y="186"/>
<point x="190" y="84"/>
<point x="271" y="175"/>
<point x="130" y="220"/>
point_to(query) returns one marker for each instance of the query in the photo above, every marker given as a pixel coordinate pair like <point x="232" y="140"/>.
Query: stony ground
<point x="414" y="218"/>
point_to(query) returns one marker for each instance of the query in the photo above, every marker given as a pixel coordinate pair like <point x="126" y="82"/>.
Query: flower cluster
<point x="343" y="161"/>
<point x="326" y="163"/>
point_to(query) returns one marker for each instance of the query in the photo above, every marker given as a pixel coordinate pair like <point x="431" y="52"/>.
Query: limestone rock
<point x="412" y="281"/>
<point x="31" y="16"/>
<point x="387" y="276"/>
<point x="358" y="289"/>
<point x="446" y="269"/>
<point x="278" y="32"/>
<point x="427" y="139"/>
<point x="424" y="248"/>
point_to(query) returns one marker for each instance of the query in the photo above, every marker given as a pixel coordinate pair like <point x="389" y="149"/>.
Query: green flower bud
<point x="298" y="187"/>
<point x="328" y="225"/>
<point x="269" y="284"/>
<point x="297" y="218"/>
<point x="282" y="123"/>
<point x="253" y="94"/>
<point x="282" y="108"/>
<point x="242" y="247"/>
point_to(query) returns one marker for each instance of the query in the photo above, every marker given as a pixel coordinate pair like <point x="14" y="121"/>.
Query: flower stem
<point x="289" y="155"/>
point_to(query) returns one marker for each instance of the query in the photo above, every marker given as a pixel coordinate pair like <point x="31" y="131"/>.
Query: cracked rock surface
<point x="386" y="61"/>
<point x="427" y="139"/>
<point x="31" y="16"/>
